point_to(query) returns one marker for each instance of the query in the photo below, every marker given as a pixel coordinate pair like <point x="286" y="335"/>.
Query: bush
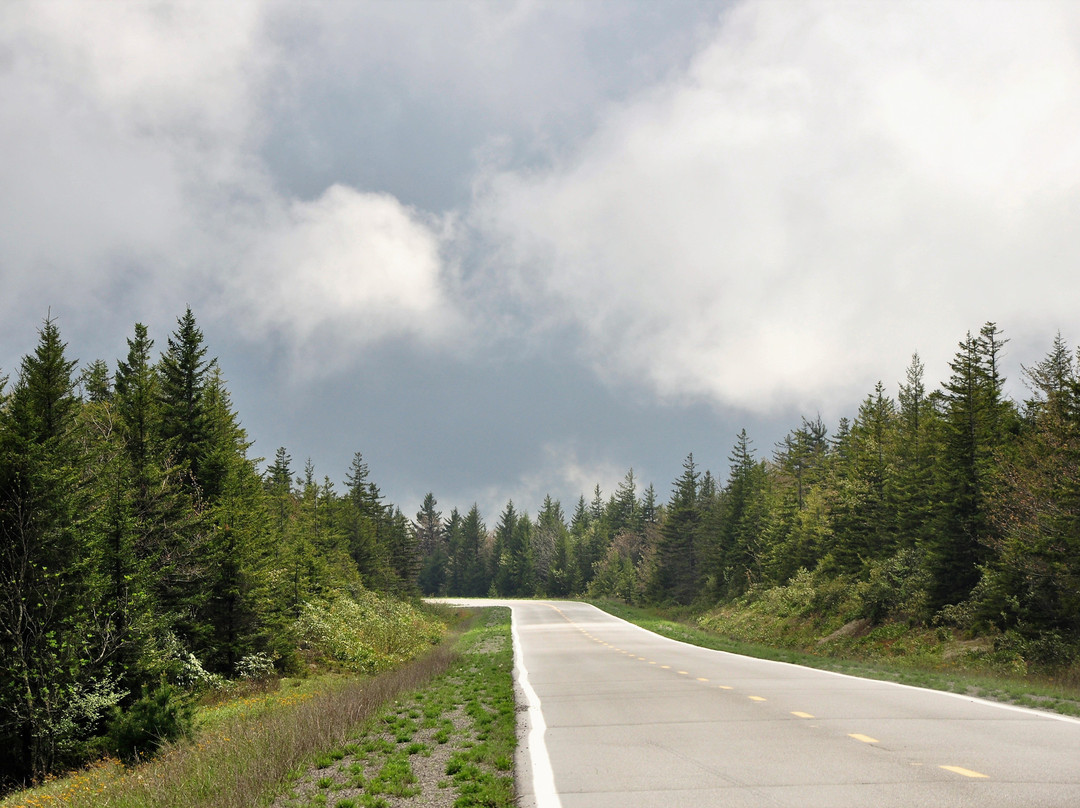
<point x="894" y="587"/>
<point x="165" y="714"/>
<point x="256" y="667"/>
<point x="367" y="632"/>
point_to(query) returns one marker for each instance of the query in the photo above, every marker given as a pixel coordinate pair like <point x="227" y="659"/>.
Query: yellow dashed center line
<point x="683" y="673"/>
<point x="963" y="771"/>
<point x="702" y="679"/>
<point x="666" y="667"/>
<point x="725" y="687"/>
<point x="864" y="738"/>
<point x="798" y="714"/>
<point x="757" y="698"/>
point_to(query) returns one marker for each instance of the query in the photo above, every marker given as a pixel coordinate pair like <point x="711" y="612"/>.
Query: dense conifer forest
<point x="949" y="507"/>
<point x="144" y="553"/>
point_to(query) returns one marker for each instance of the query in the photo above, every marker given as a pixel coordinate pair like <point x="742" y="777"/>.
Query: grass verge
<point x="247" y="749"/>
<point x="1046" y="693"/>
<point x="449" y="744"/>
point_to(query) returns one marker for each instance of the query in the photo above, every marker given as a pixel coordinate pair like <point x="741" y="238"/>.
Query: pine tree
<point x="976" y="422"/>
<point x="475" y="578"/>
<point x="550" y="548"/>
<point x="401" y="553"/>
<point x="916" y="431"/>
<point x="362" y="523"/>
<point x="742" y="521"/>
<point x="513" y="555"/>
<point x="677" y="571"/>
<point x="431" y="543"/>
<point x="626" y="514"/>
<point x="47" y="566"/>
<point x="429" y="527"/>
<point x="1032" y="582"/>
<point x="864" y="515"/>
<point x="184" y="372"/>
<point x="137" y="394"/>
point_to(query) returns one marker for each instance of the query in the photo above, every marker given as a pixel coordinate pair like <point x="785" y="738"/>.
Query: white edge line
<point x="1068" y="719"/>
<point x="543" y="777"/>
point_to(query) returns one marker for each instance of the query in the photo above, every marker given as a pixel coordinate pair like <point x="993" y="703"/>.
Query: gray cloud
<point x="826" y="189"/>
<point x="508" y="247"/>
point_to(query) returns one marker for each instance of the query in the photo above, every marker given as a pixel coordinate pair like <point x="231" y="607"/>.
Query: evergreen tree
<point x="432" y="546"/>
<point x="1032" y="583"/>
<point x="677" y="571"/>
<point x="550" y="548"/>
<point x="514" y="567"/>
<point x="741" y="523"/>
<point x="401" y="554"/>
<point x="363" y="518"/>
<point x="650" y="509"/>
<point x="798" y="528"/>
<point x="184" y="371"/>
<point x="475" y="578"/>
<point x="916" y="433"/>
<point x="976" y="420"/>
<point x="864" y="515"/>
<point x="626" y="513"/>
<point x="137" y="396"/>
<point x="47" y="572"/>
<point x="95" y="380"/>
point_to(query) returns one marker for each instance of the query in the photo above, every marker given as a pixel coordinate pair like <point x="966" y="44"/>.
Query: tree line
<point x="140" y="543"/>
<point x="954" y="506"/>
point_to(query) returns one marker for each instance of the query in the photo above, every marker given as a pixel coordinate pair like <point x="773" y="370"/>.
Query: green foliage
<point x="140" y="544"/>
<point x="365" y="631"/>
<point x="896" y="587"/>
<point x="158" y="716"/>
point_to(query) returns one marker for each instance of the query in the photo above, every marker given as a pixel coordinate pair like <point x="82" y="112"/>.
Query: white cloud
<point x="343" y="270"/>
<point x="828" y="188"/>
<point x="131" y="171"/>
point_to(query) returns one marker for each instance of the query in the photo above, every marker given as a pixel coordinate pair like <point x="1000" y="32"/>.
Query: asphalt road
<point x="619" y="716"/>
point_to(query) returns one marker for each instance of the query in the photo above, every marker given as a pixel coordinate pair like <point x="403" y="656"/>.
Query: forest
<point x="144" y="552"/>
<point x="952" y="507"/>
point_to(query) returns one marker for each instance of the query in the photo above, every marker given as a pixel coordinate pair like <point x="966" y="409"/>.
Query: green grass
<point x="891" y="652"/>
<point x="248" y="748"/>
<point x="480" y="768"/>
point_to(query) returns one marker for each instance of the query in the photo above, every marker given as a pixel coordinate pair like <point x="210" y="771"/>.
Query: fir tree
<point x="677" y="571"/>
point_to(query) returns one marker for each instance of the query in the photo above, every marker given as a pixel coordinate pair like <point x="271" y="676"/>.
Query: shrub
<point x="894" y="587"/>
<point x="256" y="667"/>
<point x="367" y="632"/>
<point x="164" y="714"/>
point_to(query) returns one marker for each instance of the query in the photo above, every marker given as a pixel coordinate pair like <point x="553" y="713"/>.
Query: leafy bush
<point x="894" y="587"/>
<point x="164" y="714"/>
<point x="366" y="632"/>
<point x="256" y="667"/>
<point x="168" y="658"/>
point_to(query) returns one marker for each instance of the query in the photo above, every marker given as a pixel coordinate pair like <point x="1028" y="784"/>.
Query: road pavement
<point x="614" y="715"/>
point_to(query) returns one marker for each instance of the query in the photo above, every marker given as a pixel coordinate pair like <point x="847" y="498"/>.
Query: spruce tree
<point x="47" y="566"/>
<point x="184" y="372"/>
<point x="678" y="569"/>
<point x="976" y="422"/>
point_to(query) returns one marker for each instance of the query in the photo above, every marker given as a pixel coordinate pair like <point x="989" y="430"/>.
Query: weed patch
<point x="448" y="745"/>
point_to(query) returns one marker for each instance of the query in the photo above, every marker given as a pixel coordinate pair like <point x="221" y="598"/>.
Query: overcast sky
<point x="514" y="248"/>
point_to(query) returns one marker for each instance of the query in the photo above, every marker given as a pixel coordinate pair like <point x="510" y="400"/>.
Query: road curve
<point x="624" y="717"/>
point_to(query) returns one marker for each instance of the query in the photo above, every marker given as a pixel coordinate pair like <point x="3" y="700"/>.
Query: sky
<point x="516" y="248"/>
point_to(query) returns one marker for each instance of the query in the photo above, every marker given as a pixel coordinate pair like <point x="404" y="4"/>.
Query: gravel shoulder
<point x="449" y="745"/>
